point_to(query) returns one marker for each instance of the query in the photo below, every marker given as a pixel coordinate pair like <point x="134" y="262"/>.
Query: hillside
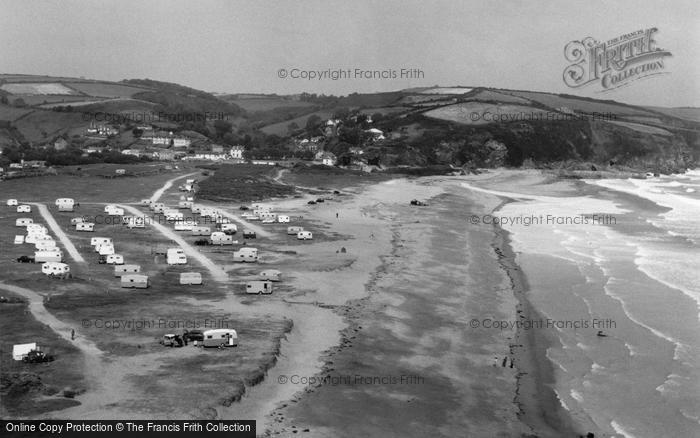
<point x="456" y="126"/>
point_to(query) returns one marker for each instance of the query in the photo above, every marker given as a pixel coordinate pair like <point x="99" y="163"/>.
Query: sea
<point x="615" y="276"/>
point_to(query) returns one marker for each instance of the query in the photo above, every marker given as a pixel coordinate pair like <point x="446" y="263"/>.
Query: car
<point x="25" y="259"/>
<point x="312" y="202"/>
<point x="247" y="234"/>
<point x="320" y="200"/>
<point x="171" y="340"/>
<point x="336" y="192"/>
<point x="418" y="203"/>
<point x="102" y="260"/>
<point x="243" y="207"/>
<point x="201" y="242"/>
<point x="193" y="335"/>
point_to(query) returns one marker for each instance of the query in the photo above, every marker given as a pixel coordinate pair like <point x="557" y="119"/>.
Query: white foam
<point x="620" y="430"/>
<point x="576" y="396"/>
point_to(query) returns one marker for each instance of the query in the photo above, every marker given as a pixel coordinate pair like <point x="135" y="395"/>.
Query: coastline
<point x="534" y="407"/>
<point x="539" y="406"/>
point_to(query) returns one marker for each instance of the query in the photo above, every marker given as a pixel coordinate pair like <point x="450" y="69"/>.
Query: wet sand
<point x="409" y="363"/>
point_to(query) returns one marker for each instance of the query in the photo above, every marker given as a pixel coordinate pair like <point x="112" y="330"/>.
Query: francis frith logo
<point x="614" y="63"/>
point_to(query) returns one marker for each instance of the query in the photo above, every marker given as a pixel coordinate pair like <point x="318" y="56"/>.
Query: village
<point x="129" y="143"/>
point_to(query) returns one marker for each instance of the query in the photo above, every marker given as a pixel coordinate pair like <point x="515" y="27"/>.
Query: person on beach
<point x="72" y="335"/>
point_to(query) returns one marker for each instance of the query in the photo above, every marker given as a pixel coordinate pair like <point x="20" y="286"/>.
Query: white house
<point x="55" y="268"/>
<point x="328" y="159"/>
<point x="237" y="152"/>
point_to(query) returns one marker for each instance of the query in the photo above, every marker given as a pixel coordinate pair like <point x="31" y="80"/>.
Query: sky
<point x="241" y="46"/>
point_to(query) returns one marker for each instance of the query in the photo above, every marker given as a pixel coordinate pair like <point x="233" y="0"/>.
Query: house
<point x="356" y="151"/>
<point x="328" y="159"/>
<point x="237" y="152"/>
<point x="134" y="281"/>
<point x="376" y="134"/>
<point x="164" y="154"/>
<point x="217" y="149"/>
<point x="133" y="152"/>
<point x="258" y="287"/>
<point x="60" y="144"/>
<point x="190" y="278"/>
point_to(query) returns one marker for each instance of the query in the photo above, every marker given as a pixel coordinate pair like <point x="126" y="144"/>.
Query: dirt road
<point x="58" y="231"/>
<point x="36" y="307"/>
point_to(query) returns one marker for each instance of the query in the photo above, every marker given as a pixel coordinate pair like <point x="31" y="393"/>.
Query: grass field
<point x="475" y="113"/>
<point x="105" y="89"/>
<point x="281" y="127"/>
<point x="554" y="101"/>
<point x="94" y="294"/>
<point x="41" y="88"/>
<point x="242" y="183"/>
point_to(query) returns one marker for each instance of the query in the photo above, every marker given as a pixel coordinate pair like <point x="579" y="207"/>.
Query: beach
<point x="491" y="327"/>
<point x="408" y="345"/>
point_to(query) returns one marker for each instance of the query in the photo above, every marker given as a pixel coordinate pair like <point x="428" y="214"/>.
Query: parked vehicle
<point x="220" y="338"/>
<point x="247" y="234"/>
<point x="193" y="335"/>
<point x="25" y="259"/>
<point x="171" y="340"/>
<point x="304" y="235"/>
<point x="320" y="200"/>
<point x="312" y="202"/>
<point x="258" y="287"/>
<point x="12" y="203"/>
<point x="37" y="356"/>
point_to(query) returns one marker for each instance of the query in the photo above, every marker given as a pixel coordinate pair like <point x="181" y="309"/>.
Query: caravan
<point x="184" y="204"/>
<point x="229" y="228"/>
<point x="48" y="255"/>
<point x="293" y="231"/>
<point x="85" y="226"/>
<point x="246" y="255"/>
<point x="36" y="229"/>
<point x="283" y="219"/>
<point x="304" y="235"/>
<point x="219" y="238"/>
<point x="77" y="220"/>
<point x="190" y="278"/>
<point x="65" y="204"/>
<point x="176" y="256"/>
<point x="134" y="281"/>
<point x="220" y="338"/>
<point x="115" y="259"/>
<point x="45" y="244"/>
<point x="183" y="226"/>
<point x="24" y="209"/>
<point x="121" y="270"/>
<point x="270" y="275"/>
<point x="23" y="221"/>
<point x="136" y="222"/>
<point x="12" y="203"/>
<point x="258" y="287"/>
<point x="201" y="231"/>
<point x="55" y="269"/>
<point x="105" y="249"/>
<point x="94" y="241"/>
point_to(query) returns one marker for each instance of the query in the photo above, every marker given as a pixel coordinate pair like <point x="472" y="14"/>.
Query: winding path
<point x="158" y="193"/>
<point x="36" y="307"/>
<point x="58" y="231"/>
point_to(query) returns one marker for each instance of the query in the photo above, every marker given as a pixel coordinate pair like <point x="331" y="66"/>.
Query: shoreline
<point x="535" y="398"/>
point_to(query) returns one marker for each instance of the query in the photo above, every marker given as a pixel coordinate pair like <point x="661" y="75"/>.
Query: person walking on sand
<point x="336" y="215"/>
<point x="72" y="335"/>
